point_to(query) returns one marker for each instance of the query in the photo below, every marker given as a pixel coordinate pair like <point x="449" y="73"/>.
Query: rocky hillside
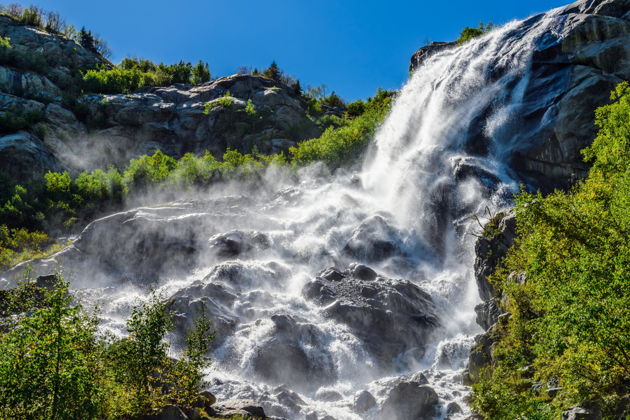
<point x="55" y="128"/>
<point x="573" y="72"/>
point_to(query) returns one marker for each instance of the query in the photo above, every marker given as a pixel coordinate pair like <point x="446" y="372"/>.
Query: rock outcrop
<point x="392" y="317"/>
<point x="498" y="236"/>
<point x="425" y="52"/>
<point x="40" y="77"/>
<point x="573" y="71"/>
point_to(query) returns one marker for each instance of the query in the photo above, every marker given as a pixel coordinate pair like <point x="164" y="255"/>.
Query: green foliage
<point x="5" y="42"/>
<point x="469" y="33"/>
<point x="134" y="73"/>
<point x="333" y="100"/>
<point x="116" y="80"/>
<point x="13" y="120"/>
<point x="225" y="101"/>
<point x="355" y="108"/>
<point x="570" y="321"/>
<point x="48" y="367"/>
<point x="55" y="365"/>
<point x="148" y="170"/>
<point x="341" y="145"/>
<point x="20" y="244"/>
<point x="272" y="72"/>
<point x="200" y="73"/>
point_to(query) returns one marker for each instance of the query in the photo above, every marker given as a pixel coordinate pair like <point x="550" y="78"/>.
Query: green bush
<point x="55" y="365"/>
<point x="570" y="322"/>
<point x="134" y="73"/>
<point x="13" y="120"/>
<point x="338" y="146"/>
<point x="469" y="33"/>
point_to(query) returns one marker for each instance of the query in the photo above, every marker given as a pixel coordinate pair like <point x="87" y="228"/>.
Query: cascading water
<point x="437" y="159"/>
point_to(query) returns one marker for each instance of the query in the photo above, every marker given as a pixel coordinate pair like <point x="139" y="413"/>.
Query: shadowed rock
<point x="391" y="316"/>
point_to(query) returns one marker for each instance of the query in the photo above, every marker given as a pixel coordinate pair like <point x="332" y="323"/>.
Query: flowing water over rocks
<point x="349" y="295"/>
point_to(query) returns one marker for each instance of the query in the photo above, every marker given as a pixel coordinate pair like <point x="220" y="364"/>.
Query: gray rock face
<point x="425" y="52"/>
<point x="111" y="129"/>
<point x="175" y="119"/>
<point x="410" y="400"/>
<point x="363" y="401"/>
<point x="580" y="413"/>
<point x="499" y="235"/>
<point x="391" y="316"/>
<point x="573" y="71"/>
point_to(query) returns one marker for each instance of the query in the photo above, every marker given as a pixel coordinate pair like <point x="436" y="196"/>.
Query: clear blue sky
<point x="351" y="46"/>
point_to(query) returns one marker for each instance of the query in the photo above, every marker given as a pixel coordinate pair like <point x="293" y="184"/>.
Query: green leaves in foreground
<point x="54" y="364"/>
<point x="570" y="322"/>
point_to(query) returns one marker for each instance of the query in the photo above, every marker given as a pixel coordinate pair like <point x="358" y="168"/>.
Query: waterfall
<point x="406" y="212"/>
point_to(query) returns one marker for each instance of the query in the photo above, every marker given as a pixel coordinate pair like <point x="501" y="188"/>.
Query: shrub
<point x="13" y="120"/>
<point x="55" y="365"/>
<point x="570" y="321"/>
<point x="355" y="108"/>
<point x="225" y="101"/>
<point x="469" y="33"/>
<point x="338" y="146"/>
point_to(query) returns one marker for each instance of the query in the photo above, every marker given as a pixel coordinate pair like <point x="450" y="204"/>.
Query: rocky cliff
<point x="573" y="70"/>
<point x="40" y="79"/>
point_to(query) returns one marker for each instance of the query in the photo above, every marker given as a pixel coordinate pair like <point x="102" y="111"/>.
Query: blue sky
<point x="351" y="46"/>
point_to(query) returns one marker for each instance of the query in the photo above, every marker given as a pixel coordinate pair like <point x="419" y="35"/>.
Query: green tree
<point x="273" y="72"/>
<point x="200" y="73"/>
<point x="86" y="40"/>
<point x="469" y="33"/>
<point x="48" y="368"/>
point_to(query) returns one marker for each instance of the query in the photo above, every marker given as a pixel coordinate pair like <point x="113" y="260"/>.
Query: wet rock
<point x="294" y="354"/>
<point x="143" y="245"/>
<point x="289" y="399"/>
<point x="374" y="241"/>
<point x="425" y="52"/>
<point x="22" y="156"/>
<point x="235" y="243"/>
<point x="362" y="272"/>
<point x="363" y="401"/>
<point x="208" y="398"/>
<point x="230" y="408"/>
<point x="572" y="72"/>
<point x="453" y="408"/>
<point x="328" y="395"/>
<point x="481" y="355"/>
<point x="410" y="400"/>
<point x="498" y="236"/>
<point x="488" y="313"/>
<point x="391" y="316"/>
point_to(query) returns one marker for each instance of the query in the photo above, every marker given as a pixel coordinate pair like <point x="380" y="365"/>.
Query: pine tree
<point x="86" y="40"/>
<point x="273" y="72"/>
<point x="297" y="88"/>
<point x="200" y="73"/>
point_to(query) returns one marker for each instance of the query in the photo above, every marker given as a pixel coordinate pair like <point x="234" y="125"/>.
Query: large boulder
<point x="410" y="400"/>
<point x="294" y="353"/>
<point x="393" y="317"/>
